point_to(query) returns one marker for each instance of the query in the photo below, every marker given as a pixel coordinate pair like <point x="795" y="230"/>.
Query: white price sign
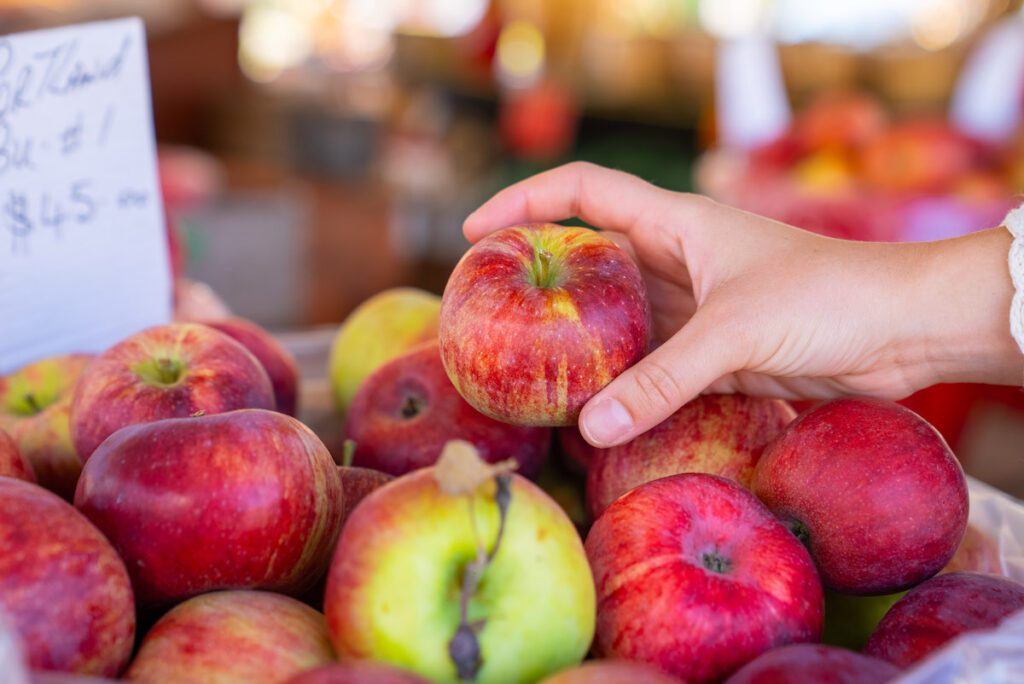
<point x="83" y="252"/>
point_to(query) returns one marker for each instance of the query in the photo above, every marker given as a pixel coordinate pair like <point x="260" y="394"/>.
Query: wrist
<point x="962" y="298"/>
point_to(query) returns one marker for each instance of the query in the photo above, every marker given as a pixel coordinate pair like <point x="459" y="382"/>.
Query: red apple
<point x="939" y="610"/>
<point x="275" y="359"/>
<point x="977" y="552"/>
<point x="12" y="463"/>
<point x="920" y="156"/>
<point x="407" y="410"/>
<point x="840" y="121"/>
<point x="170" y="371"/>
<point x="357" y="483"/>
<point x="696" y="577"/>
<point x="611" y="672"/>
<point x="873" y="490"/>
<point x="39" y="677"/>
<point x="715" y="434"/>
<point x="63" y="589"/>
<point x="249" y="637"/>
<point x="536" y="319"/>
<point x="802" y="663"/>
<point x="357" y="672"/>
<point x="34" y="405"/>
<point x="577" y="454"/>
<point x="243" y="500"/>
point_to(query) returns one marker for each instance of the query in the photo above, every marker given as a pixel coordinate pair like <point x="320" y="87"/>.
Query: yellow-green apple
<point x="34" y="406"/>
<point x="275" y="359"/>
<point x="12" y="463"/>
<point x="461" y="577"/>
<point x="406" y="411"/>
<point x="696" y="577"/>
<point x="872" y="489"/>
<point x="715" y="434"/>
<point x="63" y="588"/>
<point x="941" y="609"/>
<point x="248" y="499"/>
<point x="611" y="672"/>
<point x="536" y="319"/>
<point x="978" y="552"/>
<point x="576" y="453"/>
<point x="228" y="637"/>
<point x="169" y="371"/>
<point x="850" y="620"/>
<point x="381" y="328"/>
<point x="800" y="663"/>
<point x="357" y="672"/>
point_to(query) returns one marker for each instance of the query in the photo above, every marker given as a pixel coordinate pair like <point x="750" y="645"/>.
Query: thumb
<point x="704" y="350"/>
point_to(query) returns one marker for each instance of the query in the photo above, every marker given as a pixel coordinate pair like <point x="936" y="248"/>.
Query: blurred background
<point x="314" y="152"/>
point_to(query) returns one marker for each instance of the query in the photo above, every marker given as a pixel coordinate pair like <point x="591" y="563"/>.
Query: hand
<point x="741" y="303"/>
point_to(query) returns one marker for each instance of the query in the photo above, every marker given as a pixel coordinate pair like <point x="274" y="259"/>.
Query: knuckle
<point x="658" y="389"/>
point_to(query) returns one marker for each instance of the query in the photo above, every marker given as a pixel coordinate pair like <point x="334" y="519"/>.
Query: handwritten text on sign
<point x="83" y="257"/>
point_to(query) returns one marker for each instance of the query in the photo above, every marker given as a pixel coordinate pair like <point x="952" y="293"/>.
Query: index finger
<point x="609" y="199"/>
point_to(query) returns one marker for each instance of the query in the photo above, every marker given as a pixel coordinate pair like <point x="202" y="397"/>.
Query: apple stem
<point x="33" y="405"/>
<point x="464" y="647"/>
<point x="167" y="370"/>
<point x="542" y="274"/>
<point x="348" y="452"/>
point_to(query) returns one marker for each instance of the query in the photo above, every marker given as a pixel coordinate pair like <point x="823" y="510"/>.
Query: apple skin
<point x="404" y="414"/>
<point x="384" y="326"/>
<point x="611" y="672"/>
<point x="34" y="406"/>
<point x="206" y="372"/>
<point x="63" y="588"/>
<point x="879" y="496"/>
<point x="357" y="672"/>
<point x="392" y="591"/>
<point x="941" y="609"/>
<point x="661" y="600"/>
<point x="801" y="663"/>
<point x="275" y="359"/>
<point x="12" y="463"/>
<point x="715" y="434"/>
<point x="248" y="637"/>
<point x="249" y="499"/>
<point x="978" y="552"/>
<point x="536" y="319"/>
<point x="356" y="485"/>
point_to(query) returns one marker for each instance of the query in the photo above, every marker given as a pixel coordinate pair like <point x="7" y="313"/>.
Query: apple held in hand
<point x="801" y="663"/>
<point x="34" y="406"/>
<point x="696" y="577"/>
<point x="404" y="414"/>
<point x="275" y="359"/>
<point x="536" y="319"/>
<point x="243" y="637"/>
<point x="170" y="371"/>
<point x="12" y="463"/>
<point x="714" y="434"/>
<point x="63" y="589"/>
<point x="384" y="326"/>
<point x="243" y="500"/>
<point x="455" y="572"/>
<point x="939" y="610"/>
<point x="874" y="490"/>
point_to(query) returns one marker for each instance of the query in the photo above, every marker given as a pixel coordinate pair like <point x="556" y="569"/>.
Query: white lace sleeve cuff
<point x="1015" y="224"/>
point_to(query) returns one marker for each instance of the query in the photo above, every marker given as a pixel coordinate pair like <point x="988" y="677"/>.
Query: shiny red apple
<point x="873" y="489"/>
<point x="170" y="371"/>
<point x="941" y="609"/>
<point x="611" y="672"/>
<point x="63" y="588"/>
<point x="12" y="463"/>
<point x="696" y="577"/>
<point x="407" y="410"/>
<point x="245" y="499"/>
<point x="715" y="434"/>
<point x="248" y="637"/>
<point x="275" y="359"/>
<point x="357" y="672"/>
<point x="536" y="319"/>
<point x="800" y="663"/>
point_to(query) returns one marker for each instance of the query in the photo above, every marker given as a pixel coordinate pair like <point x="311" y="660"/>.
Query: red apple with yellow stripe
<point x="536" y="319"/>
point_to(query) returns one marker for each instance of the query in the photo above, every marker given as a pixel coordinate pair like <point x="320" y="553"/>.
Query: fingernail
<point x="607" y="423"/>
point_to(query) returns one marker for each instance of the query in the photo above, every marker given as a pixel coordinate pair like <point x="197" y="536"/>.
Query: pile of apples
<point x="164" y="517"/>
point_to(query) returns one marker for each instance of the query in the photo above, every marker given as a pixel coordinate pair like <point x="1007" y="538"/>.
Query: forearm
<point x="963" y="298"/>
